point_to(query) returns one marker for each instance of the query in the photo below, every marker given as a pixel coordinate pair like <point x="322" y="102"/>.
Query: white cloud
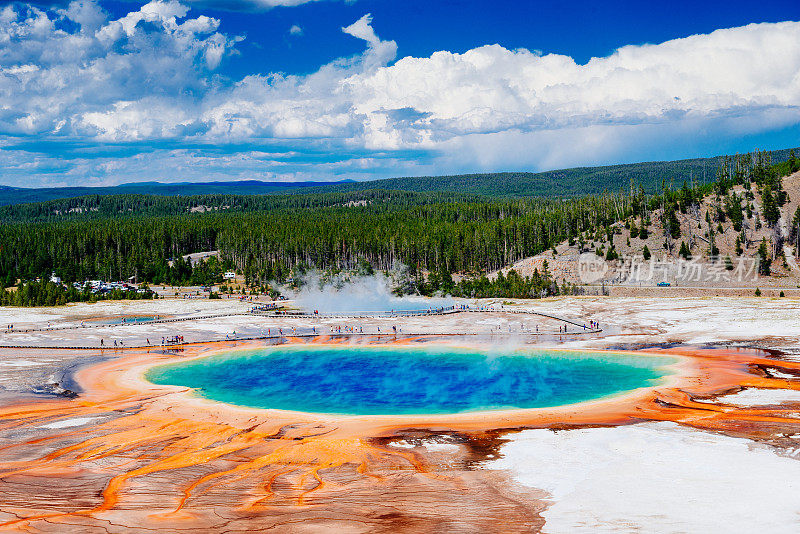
<point x="492" y="89"/>
<point x="24" y="169"/>
<point x="729" y="73"/>
<point x="379" y="52"/>
<point x="86" y="13"/>
<point x="56" y="80"/>
<point x="149" y="77"/>
<point x="295" y="30"/>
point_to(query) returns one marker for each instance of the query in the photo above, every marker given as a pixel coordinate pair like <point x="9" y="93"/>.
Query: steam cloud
<point x="347" y="294"/>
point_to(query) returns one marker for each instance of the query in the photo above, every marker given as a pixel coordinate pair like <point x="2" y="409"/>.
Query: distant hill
<point x="24" y="195"/>
<point x="560" y="183"/>
<point x="563" y="182"/>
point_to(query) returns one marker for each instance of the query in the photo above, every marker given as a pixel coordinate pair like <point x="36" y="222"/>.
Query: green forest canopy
<point x="269" y="237"/>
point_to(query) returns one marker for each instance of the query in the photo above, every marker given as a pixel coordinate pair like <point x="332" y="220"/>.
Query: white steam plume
<point x="347" y="294"/>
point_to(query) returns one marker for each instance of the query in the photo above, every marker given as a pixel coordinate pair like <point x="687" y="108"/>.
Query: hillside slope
<point x="684" y="258"/>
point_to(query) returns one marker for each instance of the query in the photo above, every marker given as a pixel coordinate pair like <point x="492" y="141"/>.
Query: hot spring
<point x="384" y="380"/>
<point x="128" y="319"/>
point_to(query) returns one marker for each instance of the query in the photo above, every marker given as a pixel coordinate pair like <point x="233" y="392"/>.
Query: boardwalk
<point x="320" y="325"/>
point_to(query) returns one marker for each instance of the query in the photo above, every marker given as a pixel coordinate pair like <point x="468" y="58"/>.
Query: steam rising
<point x="348" y="294"/>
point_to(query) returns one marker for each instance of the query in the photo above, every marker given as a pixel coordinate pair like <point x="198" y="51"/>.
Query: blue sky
<point x="581" y="29"/>
<point x="96" y="93"/>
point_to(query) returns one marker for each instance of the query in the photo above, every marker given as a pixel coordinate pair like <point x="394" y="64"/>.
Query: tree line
<point x="267" y="238"/>
<point x="46" y="293"/>
<point x="426" y="231"/>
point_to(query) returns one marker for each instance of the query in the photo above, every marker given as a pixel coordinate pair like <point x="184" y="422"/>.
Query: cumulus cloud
<point x="379" y="52"/>
<point x="149" y="76"/>
<point x="491" y="89"/>
<point x="295" y="30"/>
<point x="71" y="82"/>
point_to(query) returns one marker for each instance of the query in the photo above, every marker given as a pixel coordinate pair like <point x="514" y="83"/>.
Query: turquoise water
<point x="376" y="381"/>
<point x="135" y="319"/>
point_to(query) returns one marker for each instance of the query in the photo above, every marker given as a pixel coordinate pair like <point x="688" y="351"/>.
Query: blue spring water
<point x="379" y="381"/>
<point x="134" y="319"/>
